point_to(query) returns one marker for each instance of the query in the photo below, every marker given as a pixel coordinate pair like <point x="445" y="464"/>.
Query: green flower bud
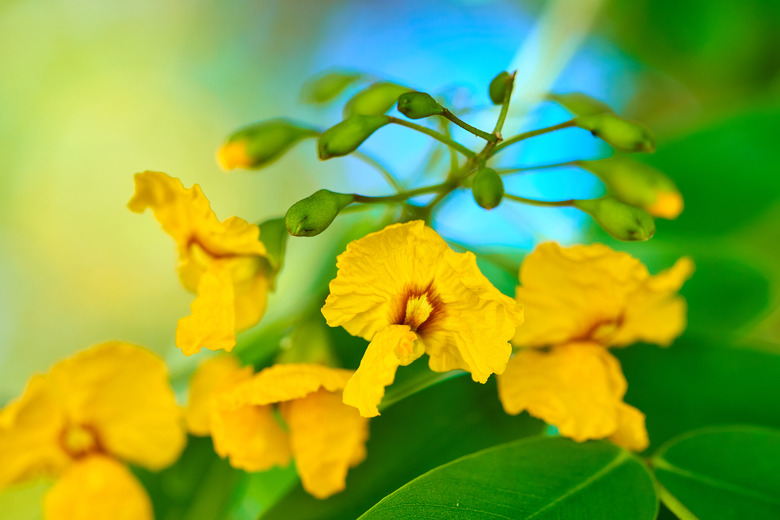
<point x="620" y="133"/>
<point x="312" y="215"/>
<point x="638" y="184"/>
<point x="345" y="137"/>
<point x="416" y="105"/>
<point x="620" y="220"/>
<point x="375" y="100"/>
<point x="487" y="188"/>
<point x="497" y="89"/>
<point x="325" y="87"/>
<point x="580" y="104"/>
<point x="260" y="144"/>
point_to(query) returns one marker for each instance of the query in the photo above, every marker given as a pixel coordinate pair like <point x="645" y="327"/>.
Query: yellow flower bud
<point x="620" y="220"/>
<point x="497" y="89"/>
<point x="416" y="105"/>
<point x="345" y="137"/>
<point x="487" y="188"/>
<point x="580" y="104"/>
<point x="312" y="215"/>
<point x="375" y="100"/>
<point x="639" y="185"/>
<point x="618" y="132"/>
<point x="260" y="144"/>
<point x="325" y="87"/>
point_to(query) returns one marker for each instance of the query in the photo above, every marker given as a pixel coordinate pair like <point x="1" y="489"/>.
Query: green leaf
<point x="540" y="478"/>
<point x="721" y="473"/>
<point x="375" y="100"/>
<point x="437" y="425"/>
<point x="697" y="383"/>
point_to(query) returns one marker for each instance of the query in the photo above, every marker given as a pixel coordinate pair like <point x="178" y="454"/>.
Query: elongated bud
<point x="312" y="215"/>
<point x="580" y="104"/>
<point x="375" y="100"/>
<point x="497" y="89"/>
<point x="416" y="105"/>
<point x="487" y="188"/>
<point x="325" y="87"/>
<point x="620" y="133"/>
<point x="620" y="220"/>
<point x="260" y="144"/>
<point x="345" y="137"/>
<point x="638" y="184"/>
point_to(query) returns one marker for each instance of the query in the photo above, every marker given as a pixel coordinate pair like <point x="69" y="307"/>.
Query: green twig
<point x="528" y="135"/>
<point x="506" y="171"/>
<point x="434" y="134"/>
<point x="467" y="127"/>
<point x="400" y="197"/>
<point x="510" y="85"/>
<point x="389" y="177"/>
<point x="542" y="203"/>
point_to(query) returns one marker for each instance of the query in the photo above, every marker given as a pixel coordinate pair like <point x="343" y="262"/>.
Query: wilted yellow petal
<point x="97" y="488"/>
<point x="248" y="435"/>
<point x="390" y="348"/>
<point x="327" y="438"/>
<point x="577" y="387"/>
<point x="631" y="432"/>
<point x="212" y="376"/>
<point x="211" y="323"/>
<point x="30" y="430"/>
<point x="120" y="393"/>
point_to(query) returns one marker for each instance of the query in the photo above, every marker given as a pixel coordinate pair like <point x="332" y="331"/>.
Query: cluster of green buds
<point x="635" y="192"/>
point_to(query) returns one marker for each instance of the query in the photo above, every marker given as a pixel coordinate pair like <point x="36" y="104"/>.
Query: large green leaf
<point x="697" y="383"/>
<point x="435" y="426"/>
<point x="540" y="478"/>
<point x="721" y="473"/>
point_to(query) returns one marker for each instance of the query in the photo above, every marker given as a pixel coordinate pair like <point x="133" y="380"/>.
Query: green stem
<point x="400" y="197"/>
<point x="505" y="171"/>
<point x="389" y="177"/>
<point x="510" y="85"/>
<point x="542" y="203"/>
<point x="453" y="154"/>
<point x="434" y="134"/>
<point x="528" y="135"/>
<point x="467" y="127"/>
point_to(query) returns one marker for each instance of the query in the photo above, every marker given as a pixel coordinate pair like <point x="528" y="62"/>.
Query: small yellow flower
<point x="107" y="404"/>
<point x="223" y="262"/>
<point x="325" y="436"/>
<point x="578" y="301"/>
<point x="668" y="204"/>
<point x="404" y="290"/>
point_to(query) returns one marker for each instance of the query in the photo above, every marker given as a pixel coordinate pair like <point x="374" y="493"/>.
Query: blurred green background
<point x="92" y="92"/>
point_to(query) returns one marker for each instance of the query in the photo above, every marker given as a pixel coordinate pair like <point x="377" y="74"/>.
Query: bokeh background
<point x="92" y="92"/>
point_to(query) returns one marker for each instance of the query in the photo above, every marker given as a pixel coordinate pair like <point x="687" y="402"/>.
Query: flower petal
<point x="212" y="376"/>
<point x="327" y="438"/>
<point x="288" y="381"/>
<point x="631" y="432"/>
<point x="251" y="297"/>
<point x="248" y="435"/>
<point x="577" y="387"/>
<point x="211" y="323"/>
<point x="390" y="348"/>
<point x="97" y="488"/>
<point x="30" y="431"/>
<point x="121" y="392"/>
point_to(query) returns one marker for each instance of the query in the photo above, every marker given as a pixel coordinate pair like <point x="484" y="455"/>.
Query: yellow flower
<point x="404" y="290"/>
<point x="578" y="301"/>
<point x="222" y="262"/>
<point x="106" y="404"/>
<point x="325" y="436"/>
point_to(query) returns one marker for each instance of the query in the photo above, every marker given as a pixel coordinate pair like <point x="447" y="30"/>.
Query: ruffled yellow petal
<point x="212" y="376"/>
<point x="30" y="430"/>
<point x="119" y="394"/>
<point x="97" y="488"/>
<point x="285" y="382"/>
<point x="654" y="313"/>
<point x="390" y="348"/>
<point x="327" y="438"/>
<point x="631" y="432"/>
<point x="592" y="293"/>
<point x="212" y="320"/>
<point x="248" y="435"/>
<point x="251" y="297"/>
<point x="577" y="387"/>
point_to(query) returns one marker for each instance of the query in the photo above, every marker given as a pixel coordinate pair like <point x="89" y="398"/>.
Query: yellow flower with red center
<point x="223" y="262"/>
<point x="80" y="422"/>
<point x="579" y="301"/>
<point x="323" y="435"/>
<point x="404" y="290"/>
